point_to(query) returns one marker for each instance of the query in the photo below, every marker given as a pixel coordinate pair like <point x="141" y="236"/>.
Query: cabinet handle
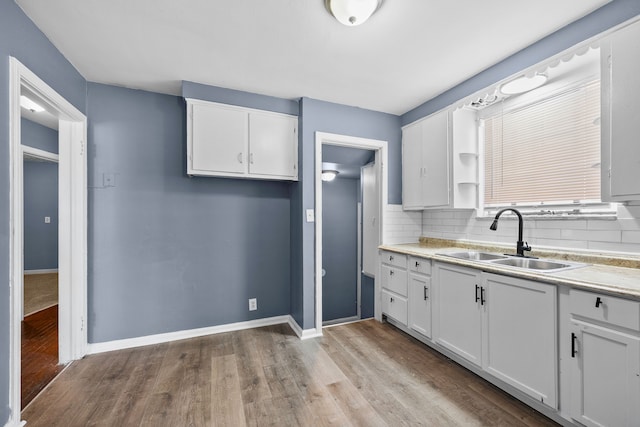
<point x="391" y="273"/>
<point x="482" y="300"/>
<point x="240" y="157"/>
<point x="390" y="257"/>
<point x="477" y="297"/>
<point x="598" y="302"/>
<point x="573" y="345"/>
<point x="391" y="299"/>
<point x="425" y="293"/>
<point x="417" y="264"/>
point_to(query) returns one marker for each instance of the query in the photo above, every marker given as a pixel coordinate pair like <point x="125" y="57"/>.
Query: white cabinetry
<point x="224" y="140"/>
<point x="605" y="359"/>
<point x="425" y="162"/>
<point x="420" y="295"/>
<point x="519" y="335"/>
<point x="504" y="325"/>
<point x="621" y="115"/>
<point x="393" y="276"/>
<point x="459" y="302"/>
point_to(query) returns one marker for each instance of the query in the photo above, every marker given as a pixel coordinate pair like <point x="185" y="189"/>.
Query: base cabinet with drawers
<point x="604" y="359"/>
<point x="393" y="275"/>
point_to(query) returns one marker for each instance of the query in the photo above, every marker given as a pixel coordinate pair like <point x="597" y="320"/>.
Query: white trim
<point x="72" y="208"/>
<point x="381" y="154"/>
<point x="359" y="259"/>
<point x="40" y="154"/>
<point x="303" y="334"/>
<point x="40" y="271"/>
<point x="182" y="335"/>
<point x="340" y="321"/>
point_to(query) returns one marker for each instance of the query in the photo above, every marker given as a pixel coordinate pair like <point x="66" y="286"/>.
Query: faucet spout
<point x="520" y="245"/>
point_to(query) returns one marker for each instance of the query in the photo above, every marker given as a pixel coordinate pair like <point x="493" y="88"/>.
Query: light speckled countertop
<point x="622" y="281"/>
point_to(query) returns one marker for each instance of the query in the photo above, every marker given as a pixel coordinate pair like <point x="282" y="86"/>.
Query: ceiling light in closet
<point x="352" y="12"/>
<point x="523" y="84"/>
<point x="329" y="175"/>
<point x="30" y="105"/>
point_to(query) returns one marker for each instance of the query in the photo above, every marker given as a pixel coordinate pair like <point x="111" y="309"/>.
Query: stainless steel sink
<point x="475" y="256"/>
<point x="537" y="264"/>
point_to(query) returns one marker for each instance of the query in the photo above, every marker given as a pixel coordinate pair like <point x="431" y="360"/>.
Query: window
<point x="547" y="152"/>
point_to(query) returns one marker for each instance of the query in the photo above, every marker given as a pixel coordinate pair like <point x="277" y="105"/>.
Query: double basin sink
<point x="532" y="264"/>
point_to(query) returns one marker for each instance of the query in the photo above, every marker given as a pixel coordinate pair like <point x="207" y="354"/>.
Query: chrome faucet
<point x="520" y="245"/>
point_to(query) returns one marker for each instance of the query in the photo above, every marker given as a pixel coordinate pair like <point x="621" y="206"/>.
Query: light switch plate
<point x="311" y="217"/>
<point x="47" y="220"/>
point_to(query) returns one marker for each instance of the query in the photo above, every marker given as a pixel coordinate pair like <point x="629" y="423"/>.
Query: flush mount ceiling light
<point x="329" y="175"/>
<point x="523" y="84"/>
<point x="352" y="12"/>
<point x="30" y="105"/>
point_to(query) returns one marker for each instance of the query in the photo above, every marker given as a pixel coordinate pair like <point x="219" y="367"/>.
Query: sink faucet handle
<point x="526" y="247"/>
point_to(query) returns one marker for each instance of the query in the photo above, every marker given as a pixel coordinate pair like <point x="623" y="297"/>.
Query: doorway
<point x="373" y="150"/>
<point x="71" y="214"/>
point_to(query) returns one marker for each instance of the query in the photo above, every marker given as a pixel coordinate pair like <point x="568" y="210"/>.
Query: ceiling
<point x="347" y="161"/>
<point x="407" y="53"/>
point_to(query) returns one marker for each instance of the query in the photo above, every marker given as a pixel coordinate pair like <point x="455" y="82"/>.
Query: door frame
<point x="381" y="155"/>
<point x="72" y="225"/>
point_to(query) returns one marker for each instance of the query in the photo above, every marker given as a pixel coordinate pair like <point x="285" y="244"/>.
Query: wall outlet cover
<point x="311" y="217"/>
<point x="253" y="304"/>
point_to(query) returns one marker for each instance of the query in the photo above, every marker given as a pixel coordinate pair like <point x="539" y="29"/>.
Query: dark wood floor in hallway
<point x="39" y="352"/>
<point x="360" y="374"/>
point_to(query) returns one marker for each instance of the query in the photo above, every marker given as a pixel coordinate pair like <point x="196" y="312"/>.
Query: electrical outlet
<point x="253" y="304"/>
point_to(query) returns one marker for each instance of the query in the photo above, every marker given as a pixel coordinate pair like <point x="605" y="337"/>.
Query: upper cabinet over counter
<point x="229" y="141"/>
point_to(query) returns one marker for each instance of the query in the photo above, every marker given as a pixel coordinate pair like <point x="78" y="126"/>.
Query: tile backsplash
<point x="620" y="235"/>
<point x="401" y="226"/>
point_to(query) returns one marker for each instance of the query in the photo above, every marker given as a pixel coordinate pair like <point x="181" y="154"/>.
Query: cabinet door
<point x="218" y="139"/>
<point x="605" y="376"/>
<point x="394" y="306"/>
<point x="624" y="115"/>
<point x="458" y="320"/>
<point x="435" y="160"/>
<point x="412" y="167"/>
<point x="273" y="141"/>
<point x="520" y="335"/>
<point x="420" y="304"/>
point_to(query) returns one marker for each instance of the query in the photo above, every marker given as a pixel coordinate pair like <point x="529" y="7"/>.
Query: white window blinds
<point x="547" y="152"/>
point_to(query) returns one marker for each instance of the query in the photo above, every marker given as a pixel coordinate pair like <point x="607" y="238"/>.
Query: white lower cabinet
<point x="420" y="304"/>
<point x="394" y="306"/>
<point x="519" y="335"/>
<point x="504" y="325"/>
<point x="393" y="279"/>
<point x="458" y="310"/>
<point x="605" y="360"/>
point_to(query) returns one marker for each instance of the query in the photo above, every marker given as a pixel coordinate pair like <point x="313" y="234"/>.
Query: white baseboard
<point x="41" y="271"/>
<point x="306" y="333"/>
<point x="93" y="348"/>
<point x="13" y="423"/>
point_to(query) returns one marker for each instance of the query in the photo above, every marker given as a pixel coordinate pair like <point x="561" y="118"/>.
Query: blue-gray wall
<point x="168" y="252"/>
<point x="40" y="200"/>
<point x="37" y="136"/>
<point x="340" y="248"/>
<point x="321" y="116"/>
<point x="20" y="38"/>
<point x="610" y="15"/>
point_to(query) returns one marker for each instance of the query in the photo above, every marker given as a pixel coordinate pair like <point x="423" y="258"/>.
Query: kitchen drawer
<point x="615" y="311"/>
<point x="392" y="258"/>
<point x="420" y="265"/>
<point x="394" y="306"/>
<point x="394" y="279"/>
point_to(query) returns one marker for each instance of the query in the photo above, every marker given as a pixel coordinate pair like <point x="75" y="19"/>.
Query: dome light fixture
<point x="523" y="84"/>
<point x="329" y="175"/>
<point x="352" y="12"/>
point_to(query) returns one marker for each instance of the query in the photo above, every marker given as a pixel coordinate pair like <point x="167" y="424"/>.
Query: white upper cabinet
<point x="425" y="163"/>
<point x="621" y="115"/>
<point x="229" y="141"/>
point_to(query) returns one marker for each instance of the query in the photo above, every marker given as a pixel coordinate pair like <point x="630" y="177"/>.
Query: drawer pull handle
<point x="391" y="258"/>
<point x="477" y="297"/>
<point x="391" y="273"/>
<point x="482" y="300"/>
<point x="417" y="264"/>
<point x="573" y="345"/>
<point x="391" y="299"/>
<point x="598" y="302"/>
<point x="425" y="293"/>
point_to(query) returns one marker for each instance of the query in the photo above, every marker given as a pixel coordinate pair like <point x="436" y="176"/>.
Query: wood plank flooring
<point x="39" y="352"/>
<point x="360" y="374"/>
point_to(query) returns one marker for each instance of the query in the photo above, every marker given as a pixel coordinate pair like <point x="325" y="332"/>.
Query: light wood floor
<point x="40" y="292"/>
<point x="361" y="374"/>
